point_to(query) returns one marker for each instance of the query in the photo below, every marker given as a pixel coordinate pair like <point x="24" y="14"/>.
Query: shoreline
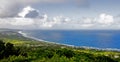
<point x="85" y="47"/>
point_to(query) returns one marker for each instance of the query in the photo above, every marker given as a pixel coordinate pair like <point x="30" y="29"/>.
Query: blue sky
<point x="60" y="14"/>
<point x="75" y="9"/>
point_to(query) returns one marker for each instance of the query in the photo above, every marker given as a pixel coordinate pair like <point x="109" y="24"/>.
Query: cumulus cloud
<point x="61" y="19"/>
<point x="28" y="12"/>
<point x="16" y="21"/>
<point x="44" y="17"/>
<point x="58" y="22"/>
<point x="105" y="19"/>
<point x="10" y="8"/>
<point x="27" y="17"/>
<point x="87" y="20"/>
<point x="87" y="25"/>
<point x="15" y="14"/>
<point x="21" y="21"/>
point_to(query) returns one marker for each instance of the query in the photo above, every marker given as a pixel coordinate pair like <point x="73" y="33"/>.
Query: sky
<point x="60" y="14"/>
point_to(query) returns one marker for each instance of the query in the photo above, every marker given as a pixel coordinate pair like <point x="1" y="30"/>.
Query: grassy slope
<point x="18" y="40"/>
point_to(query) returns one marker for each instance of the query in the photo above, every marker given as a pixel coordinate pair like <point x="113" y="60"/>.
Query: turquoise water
<point x="89" y="38"/>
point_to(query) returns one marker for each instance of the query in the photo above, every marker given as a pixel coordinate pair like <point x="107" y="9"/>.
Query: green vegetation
<point x="53" y="53"/>
<point x="7" y="49"/>
<point x="27" y="50"/>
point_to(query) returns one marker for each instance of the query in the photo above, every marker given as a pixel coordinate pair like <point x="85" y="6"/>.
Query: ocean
<point x="88" y="38"/>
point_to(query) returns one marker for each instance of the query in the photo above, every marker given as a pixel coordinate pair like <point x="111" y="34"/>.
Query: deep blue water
<point x="89" y="38"/>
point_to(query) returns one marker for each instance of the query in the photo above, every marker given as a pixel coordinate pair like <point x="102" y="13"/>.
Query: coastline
<point x="85" y="47"/>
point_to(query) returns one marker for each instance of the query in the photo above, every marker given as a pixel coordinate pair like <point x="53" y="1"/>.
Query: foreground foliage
<point x="53" y="53"/>
<point x="7" y="49"/>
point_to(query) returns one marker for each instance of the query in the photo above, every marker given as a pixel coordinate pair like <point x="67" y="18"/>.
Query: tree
<point x="8" y="49"/>
<point x="65" y="52"/>
<point x="2" y="47"/>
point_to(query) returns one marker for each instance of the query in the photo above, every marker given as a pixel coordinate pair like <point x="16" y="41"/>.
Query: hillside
<point x="38" y="51"/>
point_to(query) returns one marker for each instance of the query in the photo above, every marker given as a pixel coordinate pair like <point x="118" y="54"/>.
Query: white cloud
<point x="61" y="19"/>
<point x="58" y="22"/>
<point x="87" y="25"/>
<point x="45" y="17"/>
<point x="10" y="8"/>
<point x="47" y="25"/>
<point x="57" y="19"/>
<point x="21" y="21"/>
<point x="105" y="19"/>
<point x="25" y="11"/>
<point x="30" y="18"/>
<point x="27" y="17"/>
<point x="87" y="20"/>
<point x="16" y="21"/>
